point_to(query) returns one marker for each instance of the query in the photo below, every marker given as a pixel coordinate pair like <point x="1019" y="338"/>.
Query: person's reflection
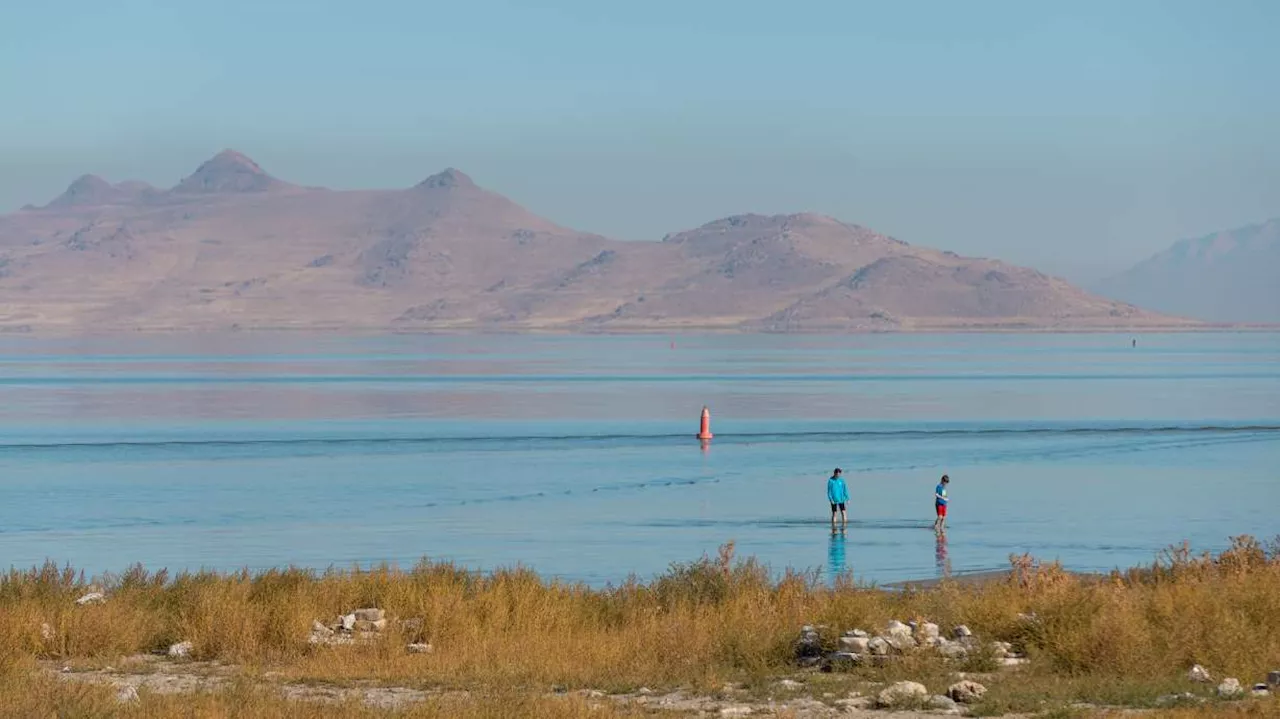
<point x="835" y="554"/>
<point x="940" y="555"/>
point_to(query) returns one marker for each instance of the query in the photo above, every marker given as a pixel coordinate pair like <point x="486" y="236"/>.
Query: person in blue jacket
<point x="837" y="495"/>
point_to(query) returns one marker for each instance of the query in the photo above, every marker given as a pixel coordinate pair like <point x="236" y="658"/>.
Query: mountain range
<point x="1231" y="276"/>
<point x="231" y="246"/>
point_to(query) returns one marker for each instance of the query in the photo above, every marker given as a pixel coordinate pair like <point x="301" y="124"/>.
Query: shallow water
<point x="575" y="455"/>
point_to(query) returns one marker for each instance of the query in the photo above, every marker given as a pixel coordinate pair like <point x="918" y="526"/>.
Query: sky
<point x="1076" y="137"/>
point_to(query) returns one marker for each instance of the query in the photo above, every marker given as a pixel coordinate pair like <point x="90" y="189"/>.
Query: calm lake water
<point x="576" y="456"/>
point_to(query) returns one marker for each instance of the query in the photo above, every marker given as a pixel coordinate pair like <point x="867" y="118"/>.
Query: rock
<point x="961" y="631"/>
<point x="1260" y="690"/>
<point x="420" y="648"/>
<point x="901" y="694"/>
<point x="857" y="645"/>
<point x="318" y="627"/>
<point x="738" y="710"/>
<point x="809" y="643"/>
<point x="857" y="633"/>
<point x="1014" y="661"/>
<point x="1199" y="674"/>
<point x="841" y="661"/>
<point x="902" y="643"/>
<point x="92" y="598"/>
<point x="791" y="685"/>
<point x="370" y="615"/>
<point x="644" y="691"/>
<point x="878" y="646"/>
<point x="1230" y="687"/>
<point x="1000" y="650"/>
<point x="347" y="622"/>
<point x="1273" y="678"/>
<point x="127" y="694"/>
<point x="366" y="625"/>
<point x="926" y="632"/>
<point x="181" y="650"/>
<point x="46" y="632"/>
<point x="854" y="703"/>
<point x="938" y="702"/>
<point x="895" y="627"/>
<point x="966" y="692"/>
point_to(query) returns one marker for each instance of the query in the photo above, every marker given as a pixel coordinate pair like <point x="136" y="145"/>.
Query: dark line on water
<point x="721" y="438"/>
<point x="44" y="380"/>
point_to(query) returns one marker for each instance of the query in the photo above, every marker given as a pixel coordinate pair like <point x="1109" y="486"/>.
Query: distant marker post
<point x="704" y="427"/>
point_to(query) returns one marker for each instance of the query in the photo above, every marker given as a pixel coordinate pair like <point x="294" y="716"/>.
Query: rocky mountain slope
<point x="230" y="246"/>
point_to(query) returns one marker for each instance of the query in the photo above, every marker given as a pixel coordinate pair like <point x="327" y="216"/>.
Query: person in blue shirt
<point x="837" y="495"/>
<point x="940" y="505"/>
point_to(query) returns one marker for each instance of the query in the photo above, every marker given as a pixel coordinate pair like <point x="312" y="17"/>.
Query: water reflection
<point x="940" y="557"/>
<point x="835" y="554"/>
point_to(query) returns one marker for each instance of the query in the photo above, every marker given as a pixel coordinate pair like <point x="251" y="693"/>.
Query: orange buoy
<point x="704" y="429"/>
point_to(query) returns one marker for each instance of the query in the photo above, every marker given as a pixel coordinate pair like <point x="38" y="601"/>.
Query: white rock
<point x="347" y="622"/>
<point x="902" y="693"/>
<point x="953" y="650"/>
<point x="895" y="627"/>
<point x="318" y="627"/>
<point x="902" y="643"/>
<point x="878" y="646"/>
<point x="966" y="692"/>
<point x="961" y="632"/>
<point x="127" y="694"/>
<point x="368" y="625"/>
<point x="92" y="598"/>
<point x="940" y="703"/>
<point x="739" y="710"/>
<point x="420" y="648"/>
<point x="370" y="615"/>
<point x="1199" y="674"/>
<point x="791" y="685"/>
<point x="181" y="650"/>
<point x="857" y="645"/>
<point x="927" y="631"/>
<point x="857" y="633"/>
<point x="1230" y="687"/>
<point x="1014" y="661"/>
<point x="46" y="632"/>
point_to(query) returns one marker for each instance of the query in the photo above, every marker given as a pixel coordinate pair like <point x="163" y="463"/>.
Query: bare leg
<point x="833" y="518"/>
<point x="844" y="519"/>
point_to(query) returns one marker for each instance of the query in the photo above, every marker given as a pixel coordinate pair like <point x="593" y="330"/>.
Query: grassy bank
<point x="510" y="637"/>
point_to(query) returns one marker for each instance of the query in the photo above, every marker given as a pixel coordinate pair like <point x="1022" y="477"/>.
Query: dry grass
<point x="700" y="625"/>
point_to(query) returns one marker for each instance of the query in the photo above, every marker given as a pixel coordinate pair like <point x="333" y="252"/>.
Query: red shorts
<point x="941" y="509"/>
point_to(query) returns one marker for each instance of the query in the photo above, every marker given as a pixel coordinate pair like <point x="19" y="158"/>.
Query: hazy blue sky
<point x="1073" y="136"/>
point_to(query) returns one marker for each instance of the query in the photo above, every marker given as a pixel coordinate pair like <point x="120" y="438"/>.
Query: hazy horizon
<point x="1077" y="140"/>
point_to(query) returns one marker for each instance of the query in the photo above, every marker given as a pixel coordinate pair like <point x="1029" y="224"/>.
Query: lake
<point x="576" y="455"/>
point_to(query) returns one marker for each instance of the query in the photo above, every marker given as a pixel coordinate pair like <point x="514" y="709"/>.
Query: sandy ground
<point x="154" y="674"/>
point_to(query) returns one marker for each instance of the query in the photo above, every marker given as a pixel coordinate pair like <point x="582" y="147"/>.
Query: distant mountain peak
<point x="88" y="190"/>
<point x="447" y="178"/>
<point x="228" y="171"/>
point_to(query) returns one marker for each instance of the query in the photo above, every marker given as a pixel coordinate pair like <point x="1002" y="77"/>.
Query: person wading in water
<point x="940" y="505"/>
<point x="837" y="495"/>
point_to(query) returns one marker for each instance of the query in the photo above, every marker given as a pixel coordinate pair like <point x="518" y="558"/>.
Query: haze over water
<point x="575" y="455"/>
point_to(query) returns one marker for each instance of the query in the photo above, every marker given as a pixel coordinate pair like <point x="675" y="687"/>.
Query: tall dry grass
<point x="700" y="624"/>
